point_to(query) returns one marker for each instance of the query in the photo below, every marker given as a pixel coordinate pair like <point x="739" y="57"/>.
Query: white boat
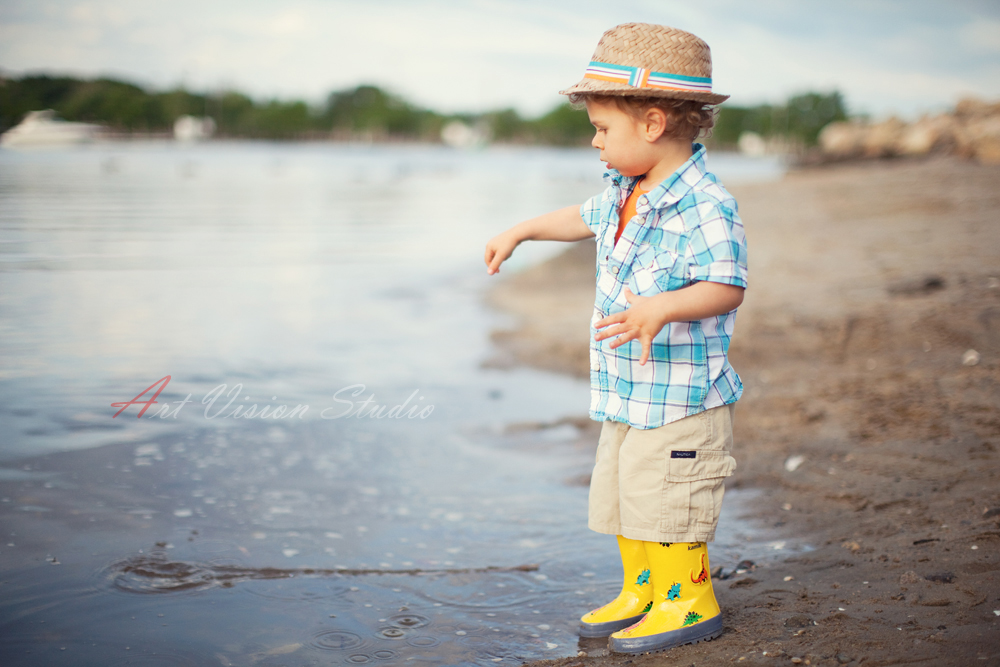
<point x="462" y="135"/>
<point x="192" y="128"/>
<point x="43" y="128"/>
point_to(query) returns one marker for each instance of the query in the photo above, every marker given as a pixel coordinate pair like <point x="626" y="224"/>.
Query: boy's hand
<point x="564" y="224"/>
<point x="646" y="316"/>
<point x="499" y="248"/>
<point x="642" y="320"/>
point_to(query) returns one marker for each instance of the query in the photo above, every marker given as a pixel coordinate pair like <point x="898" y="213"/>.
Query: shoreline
<point x="869" y="347"/>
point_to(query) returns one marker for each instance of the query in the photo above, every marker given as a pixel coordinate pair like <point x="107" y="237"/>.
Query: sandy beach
<point x="869" y="346"/>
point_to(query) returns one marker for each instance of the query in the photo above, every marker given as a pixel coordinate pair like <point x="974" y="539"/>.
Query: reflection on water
<point x="292" y="273"/>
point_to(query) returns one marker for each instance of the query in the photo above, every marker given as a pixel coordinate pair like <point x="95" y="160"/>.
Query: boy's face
<point x="620" y="137"/>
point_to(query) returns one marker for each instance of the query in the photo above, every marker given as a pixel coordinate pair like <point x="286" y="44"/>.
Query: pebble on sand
<point x="792" y="463"/>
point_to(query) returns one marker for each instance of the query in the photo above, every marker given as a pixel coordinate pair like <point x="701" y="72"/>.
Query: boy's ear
<point x="655" y="121"/>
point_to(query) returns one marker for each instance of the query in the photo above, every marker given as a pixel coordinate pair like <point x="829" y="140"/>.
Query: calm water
<point x="321" y="281"/>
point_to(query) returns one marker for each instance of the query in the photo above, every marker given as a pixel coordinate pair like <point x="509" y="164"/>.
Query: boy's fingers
<point x="490" y="257"/>
<point x="613" y="331"/>
<point x="625" y="337"/>
<point x="610" y="319"/>
<point x="494" y="263"/>
<point x="645" y="352"/>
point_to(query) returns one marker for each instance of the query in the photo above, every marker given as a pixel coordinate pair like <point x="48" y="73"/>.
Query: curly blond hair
<point x="686" y="119"/>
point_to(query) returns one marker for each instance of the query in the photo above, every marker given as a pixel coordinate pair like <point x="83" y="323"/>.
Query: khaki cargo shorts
<point x="663" y="484"/>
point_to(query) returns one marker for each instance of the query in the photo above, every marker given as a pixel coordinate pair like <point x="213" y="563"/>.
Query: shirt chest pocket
<point x="656" y="271"/>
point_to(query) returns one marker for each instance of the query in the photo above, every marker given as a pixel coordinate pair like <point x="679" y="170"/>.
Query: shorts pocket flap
<point x="695" y="464"/>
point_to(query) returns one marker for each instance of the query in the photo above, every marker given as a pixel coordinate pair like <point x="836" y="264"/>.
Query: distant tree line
<point x="799" y="120"/>
<point x="364" y="112"/>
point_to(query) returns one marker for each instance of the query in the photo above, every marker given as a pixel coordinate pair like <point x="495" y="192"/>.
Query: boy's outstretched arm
<point x="564" y="224"/>
<point x="646" y="316"/>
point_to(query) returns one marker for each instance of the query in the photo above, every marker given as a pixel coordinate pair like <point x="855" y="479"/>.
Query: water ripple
<point x="409" y="620"/>
<point x="337" y="640"/>
<point x="155" y="573"/>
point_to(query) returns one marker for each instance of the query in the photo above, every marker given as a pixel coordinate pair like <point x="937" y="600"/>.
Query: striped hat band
<point x="637" y="77"/>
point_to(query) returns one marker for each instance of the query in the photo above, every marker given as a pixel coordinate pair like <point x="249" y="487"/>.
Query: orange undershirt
<point x="628" y="210"/>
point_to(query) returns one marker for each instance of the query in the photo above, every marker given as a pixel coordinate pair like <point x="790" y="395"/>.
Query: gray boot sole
<point x="607" y="628"/>
<point x="700" y="632"/>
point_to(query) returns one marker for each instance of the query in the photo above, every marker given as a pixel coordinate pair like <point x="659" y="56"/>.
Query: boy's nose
<point x="595" y="142"/>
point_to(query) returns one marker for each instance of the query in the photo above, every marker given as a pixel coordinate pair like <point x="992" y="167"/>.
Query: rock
<point x="941" y="577"/>
<point x="970" y="358"/>
<point x="935" y="602"/>
<point x="971" y="107"/>
<point x="917" y="139"/>
<point x="916" y="286"/>
<point x="984" y="136"/>
<point x="792" y="463"/>
<point x="909" y="578"/>
<point x="928" y="135"/>
<point x="798" y="621"/>
<point x="882" y="139"/>
<point x="972" y="130"/>
<point x="842" y="139"/>
<point x="741" y="567"/>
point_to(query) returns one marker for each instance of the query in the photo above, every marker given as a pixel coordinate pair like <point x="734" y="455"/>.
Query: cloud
<point x="478" y="54"/>
<point x="982" y="36"/>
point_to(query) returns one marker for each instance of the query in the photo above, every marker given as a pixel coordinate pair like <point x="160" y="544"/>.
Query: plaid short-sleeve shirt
<point x="685" y="230"/>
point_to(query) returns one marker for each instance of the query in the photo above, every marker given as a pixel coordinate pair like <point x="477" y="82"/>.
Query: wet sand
<point x="869" y="346"/>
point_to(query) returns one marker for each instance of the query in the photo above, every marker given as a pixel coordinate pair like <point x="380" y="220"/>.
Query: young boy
<point x="671" y="270"/>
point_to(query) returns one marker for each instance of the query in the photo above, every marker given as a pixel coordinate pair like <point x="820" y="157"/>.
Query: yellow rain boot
<point x="634" y="600"/>
<point x="684" y="608"/>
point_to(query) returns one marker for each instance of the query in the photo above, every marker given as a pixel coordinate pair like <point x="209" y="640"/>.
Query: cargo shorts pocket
<point x="692" y="496"/>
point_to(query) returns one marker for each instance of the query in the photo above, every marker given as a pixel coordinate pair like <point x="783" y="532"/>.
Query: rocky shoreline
<point x="971" y="130"/>
<point x="869" y="346"/>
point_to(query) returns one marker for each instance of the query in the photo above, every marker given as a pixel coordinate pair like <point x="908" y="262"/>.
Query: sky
<point x="902" y="57"/>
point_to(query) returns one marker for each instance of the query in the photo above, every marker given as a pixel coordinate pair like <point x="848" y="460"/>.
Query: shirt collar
<point x="672" y="188"/>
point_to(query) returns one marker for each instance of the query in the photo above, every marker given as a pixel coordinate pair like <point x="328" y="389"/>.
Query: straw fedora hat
<point x="646" y="60"/>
